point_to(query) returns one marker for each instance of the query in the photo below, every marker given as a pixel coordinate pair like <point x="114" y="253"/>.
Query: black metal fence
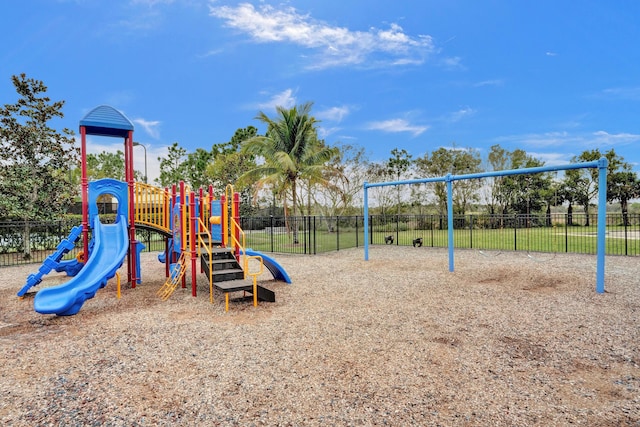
<point x="44" y="238"/>
<point x="556" y="233"/>
<point x="553" y="233"/>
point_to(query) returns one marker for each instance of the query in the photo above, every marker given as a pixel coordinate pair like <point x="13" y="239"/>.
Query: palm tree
<point x="291" y="151"/>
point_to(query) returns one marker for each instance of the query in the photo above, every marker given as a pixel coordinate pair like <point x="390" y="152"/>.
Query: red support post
<point x="202" y="218"/>
<point x="126" y="179"/>
<point x="132" y="216"/>
<point x="210" y="207"/>
<point x="166" y="213"/>
<point x="235" y="211"/>
<point x="201" y="204"/>
<point x="192" y="242"/>
<point x="183" y="224"/>
<point x="224" y="221"/>
<point x="174" y="198"/>
<point x="85" y="194"/>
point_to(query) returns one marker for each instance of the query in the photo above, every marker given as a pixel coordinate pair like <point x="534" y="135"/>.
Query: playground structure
<point x="195" y="224"/>
<point x="600" y="164"/>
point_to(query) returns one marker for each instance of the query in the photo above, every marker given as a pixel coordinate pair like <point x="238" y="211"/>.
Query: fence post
<point x="397" y="230"/>
<point x="271" y="225"/>
<point x="304" y="235"/>
<point x="356" y="231"/>
<point x="431" y="228"/>
<point x="566" y="233"/>
<point x="309" y="231"/>
<point x="470" y="231"/>
<point x="515" y="232"/>
<point x="371" y="229"/>
<point x="626" y="241"/>
<point x="337" y="233"/>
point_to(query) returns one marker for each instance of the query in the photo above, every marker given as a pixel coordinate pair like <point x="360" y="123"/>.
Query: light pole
<point x="137" y="144"/>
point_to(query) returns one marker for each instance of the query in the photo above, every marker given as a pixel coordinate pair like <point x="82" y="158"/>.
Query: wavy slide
<point x="111" y="243"/>
<point x="272" y="265"/>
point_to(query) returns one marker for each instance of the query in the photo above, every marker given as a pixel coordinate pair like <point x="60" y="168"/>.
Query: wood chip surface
<point x="506" y="339"/>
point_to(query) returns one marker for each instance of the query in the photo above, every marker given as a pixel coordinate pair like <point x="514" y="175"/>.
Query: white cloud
<point x="211" y="52"/>
<point x="492" y="82"/>
<point x="396" y="126"/>
<point x="602" y="138"/>
<point x="334" y="46"/>
<point x="324" y="132"/>
<point x="581" y="141"/>
<point x="285" y="99"/>
<point x="541" y="139"/>
<point x="551" y="54"/>
<point x="629" y="93"/>
<point x="461" y="114"/>
<point x="552" y="159"/>
<point x="151" y="3"/>
<point x="452" y="62"/>
<point x="150" y="127"/>
<point x="335" y="114"/>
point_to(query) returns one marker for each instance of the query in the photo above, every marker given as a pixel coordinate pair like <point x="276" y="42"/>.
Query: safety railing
<point x="152" y="206"/>
<point x="238" y="243"/>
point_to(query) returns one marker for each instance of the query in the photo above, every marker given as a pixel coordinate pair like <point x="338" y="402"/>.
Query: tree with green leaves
<point x="381" y="196"/>
<point x="455" y="161"/>
<point x="524" y="194"/>
<point x="105" y="165"/>
<point x="35" y="159"/>
<point x="583" y="183"/>
<point x="228" y="168"/>
<point x="345" y="177"/>
<point x="291" y="152"/>
<point x="172" y="170"/>
<point x="623" y="186"/>
<point x="552" y="196"/>
<point x="622" y="183"/>
<point x="397" y="166"/>
<point x="230" y="163"/>
<point x="498" y="159"/>
<point x="195" y="166"/>
<point x="235" y="143"/>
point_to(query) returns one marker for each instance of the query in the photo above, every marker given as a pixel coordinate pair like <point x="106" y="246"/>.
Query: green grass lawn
<point x="537" y="239"/>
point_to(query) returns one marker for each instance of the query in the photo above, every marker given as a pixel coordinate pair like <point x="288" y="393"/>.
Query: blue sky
<point x="552" y="77"/>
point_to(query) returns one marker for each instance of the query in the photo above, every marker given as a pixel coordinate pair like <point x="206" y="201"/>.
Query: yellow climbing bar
<point x="175" y="278"/>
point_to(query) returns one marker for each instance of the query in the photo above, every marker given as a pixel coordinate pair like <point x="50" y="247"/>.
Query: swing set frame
<point x="449" y="179"/>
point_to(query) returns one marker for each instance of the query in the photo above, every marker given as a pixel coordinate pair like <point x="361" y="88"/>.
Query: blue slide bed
<point x="272" y="265"/>
<point x="111" y="243"/>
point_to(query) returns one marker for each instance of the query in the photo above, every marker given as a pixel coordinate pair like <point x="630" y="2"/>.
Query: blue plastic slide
<point x="272" y="265"/>
<point x="111" y="242"/>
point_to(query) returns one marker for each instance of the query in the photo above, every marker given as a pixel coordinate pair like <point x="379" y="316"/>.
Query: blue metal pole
<point x="366" y="222"/>
<point x="602" y="223"/>
<point x="450" y="218"/>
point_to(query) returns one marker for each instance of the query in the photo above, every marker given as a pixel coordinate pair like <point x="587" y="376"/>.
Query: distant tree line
<point x="290" y="167"/>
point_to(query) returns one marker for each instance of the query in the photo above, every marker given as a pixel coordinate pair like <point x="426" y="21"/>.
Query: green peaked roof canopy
<point x="106" y="121"/>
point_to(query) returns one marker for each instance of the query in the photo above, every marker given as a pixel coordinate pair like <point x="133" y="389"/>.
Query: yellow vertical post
<point x="117" y="285"/>
<point x="255" y="291"/>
